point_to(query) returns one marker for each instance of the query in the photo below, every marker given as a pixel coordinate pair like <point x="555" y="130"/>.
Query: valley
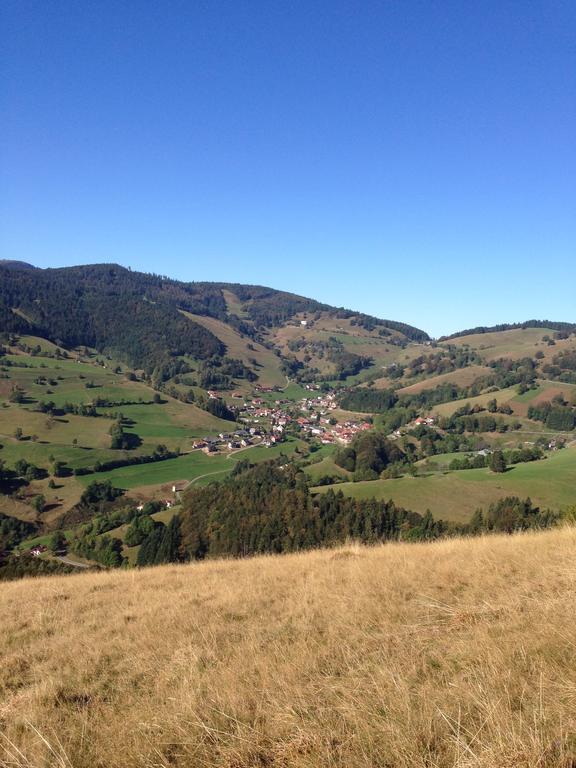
<point x="369" y="409"/>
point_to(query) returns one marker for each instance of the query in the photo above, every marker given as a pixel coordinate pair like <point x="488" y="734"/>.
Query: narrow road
<point x="221" y="471"/>
<point x="206" y="474"/>
<point x="76" y="564"/>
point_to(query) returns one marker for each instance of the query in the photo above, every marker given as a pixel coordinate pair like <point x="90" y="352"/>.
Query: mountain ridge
<point x="97" y="298"/>
<point x="262" y="296"/>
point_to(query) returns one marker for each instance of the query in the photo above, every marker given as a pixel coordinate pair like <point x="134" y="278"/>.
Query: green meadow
<point x="81" y="441"/>
<point x="195" y="466"/>
<point x="455" y="495"/>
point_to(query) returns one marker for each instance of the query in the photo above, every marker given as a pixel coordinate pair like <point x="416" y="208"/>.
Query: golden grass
<point x="462" y="377"/>
<point x="458" y="653"/>
<point x="515" y="343"/>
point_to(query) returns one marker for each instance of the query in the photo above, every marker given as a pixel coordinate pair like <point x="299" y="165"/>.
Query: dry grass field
<point x="462" y="377"/>
<point x="514" y="344"/>
<point x="457" y="654"/>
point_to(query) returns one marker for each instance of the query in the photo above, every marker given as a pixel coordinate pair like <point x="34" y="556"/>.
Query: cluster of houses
<point x="329" y="433"/>
<point x="266" y="422"/>
<point x="421" y="421"/>
<point x="321" y="403"/>
<point x="231" y="441"/>
<point x="312" y="416"/>
<point x="319" y="422"/>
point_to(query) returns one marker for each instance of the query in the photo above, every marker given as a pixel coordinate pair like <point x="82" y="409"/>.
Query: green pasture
<point x="195" y="466"/>
<point x="325" y="467"/>
<point x="455" y="495"/>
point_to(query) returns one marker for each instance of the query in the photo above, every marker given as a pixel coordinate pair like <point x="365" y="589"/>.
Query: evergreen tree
<point x="497" y="462"/>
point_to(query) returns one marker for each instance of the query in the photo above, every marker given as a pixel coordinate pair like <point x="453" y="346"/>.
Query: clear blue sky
<point x="412" y="159"/>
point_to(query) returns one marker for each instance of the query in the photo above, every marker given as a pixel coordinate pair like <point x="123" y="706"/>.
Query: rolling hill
<point x="98" y="298"/>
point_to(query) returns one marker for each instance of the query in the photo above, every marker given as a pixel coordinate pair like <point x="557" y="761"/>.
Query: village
<point x="267" y="423"/>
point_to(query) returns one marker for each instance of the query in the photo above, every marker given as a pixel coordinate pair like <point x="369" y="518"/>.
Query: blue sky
<point x="414" y="160"/>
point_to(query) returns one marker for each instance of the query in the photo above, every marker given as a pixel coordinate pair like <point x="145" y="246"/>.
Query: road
<point x="75" y="563"/>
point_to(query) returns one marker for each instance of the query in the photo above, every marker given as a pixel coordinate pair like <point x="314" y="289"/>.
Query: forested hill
<point x="269" y="508"/>
<point x="10" y="264"/>
<point x="131" y="316"/>
<point x="137" y="317"/>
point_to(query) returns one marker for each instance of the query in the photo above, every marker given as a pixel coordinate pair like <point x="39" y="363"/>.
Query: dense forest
<point x="91" y="305"/>
<point x="369" y="454"/>
<point x="268" y="508"/>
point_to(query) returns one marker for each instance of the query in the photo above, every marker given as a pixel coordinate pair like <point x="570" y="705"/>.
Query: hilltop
<point x="13" y="264"/>
<point x="452" y="653"/>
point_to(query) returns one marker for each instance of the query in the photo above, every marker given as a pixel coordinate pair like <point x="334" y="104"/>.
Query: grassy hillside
<point x="267" y="364"/>
<point x="463" y="377"/>
<point x="324" y="328"/>
<point x="550" y="482"/>
<point x="516" y="343"/>
<point x="457" y="653"/>
<point x="502" y="396"/>
<point x="81" y="441"/>
<point x="543" y="391"/>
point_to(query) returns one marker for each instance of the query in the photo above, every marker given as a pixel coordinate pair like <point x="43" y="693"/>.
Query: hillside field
<point x="544" y="391"/>
<point x="195" y="466"/>
<point x="354" y="339"/>
<point x="81" y="441"/>
<point x="267" y="363"/>
<point x="457" y="653"/>
<point x="456" y="495"/>
<point x="514" y="343"/>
